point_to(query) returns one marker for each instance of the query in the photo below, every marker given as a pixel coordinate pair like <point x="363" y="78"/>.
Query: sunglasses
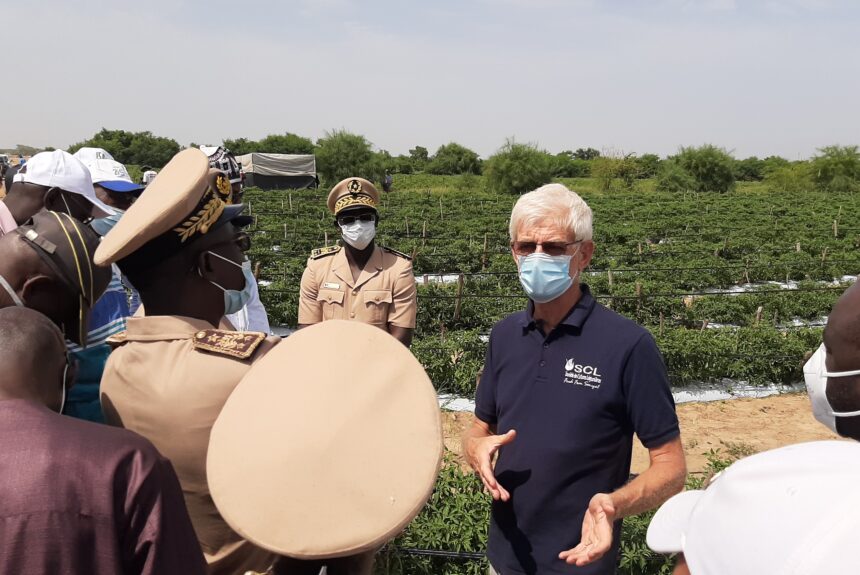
<point x="347" y="220"/>
<point x="549" y="248"/>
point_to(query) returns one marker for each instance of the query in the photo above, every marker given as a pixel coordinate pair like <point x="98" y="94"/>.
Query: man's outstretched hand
<point x="480" y="451"/>
<point x="596" y="532"/>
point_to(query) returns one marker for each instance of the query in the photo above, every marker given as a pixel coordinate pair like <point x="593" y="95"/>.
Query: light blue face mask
<point x="544" y="277"/>
<point x="235" y="300"/>
<point x="103" y="225"/>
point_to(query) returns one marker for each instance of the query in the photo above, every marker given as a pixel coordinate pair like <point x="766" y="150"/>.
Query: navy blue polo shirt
<point x="575" y="398"/>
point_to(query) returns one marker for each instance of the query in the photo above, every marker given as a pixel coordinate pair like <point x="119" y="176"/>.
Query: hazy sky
<point x="755" y="76"/>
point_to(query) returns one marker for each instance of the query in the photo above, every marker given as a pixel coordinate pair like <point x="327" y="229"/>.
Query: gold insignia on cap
<point x="354" y="187"/>
<point x="238" y="344"/>
<point x="349" y="201"/>
<point x="202" y="220"/>
<point x="224" y="187"/>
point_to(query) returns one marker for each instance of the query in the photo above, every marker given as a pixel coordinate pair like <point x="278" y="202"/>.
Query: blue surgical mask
<point x="544" y="277"/>
<point x="235" y="300"/>
<point x="103" y="225"/>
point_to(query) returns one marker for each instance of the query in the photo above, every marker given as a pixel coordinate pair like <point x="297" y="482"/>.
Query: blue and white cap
<point x="105" y="171"/>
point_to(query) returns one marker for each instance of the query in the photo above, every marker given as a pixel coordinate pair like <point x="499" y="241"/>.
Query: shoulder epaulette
<point x="117" y="339"/>
<point x="238" y="344"/>
<point x="395" y="252"/>
<point x="322" y="252"/>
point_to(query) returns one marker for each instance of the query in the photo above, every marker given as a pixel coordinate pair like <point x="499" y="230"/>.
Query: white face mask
<point x="816" y="375"/>
<point x="65" y="376"/>
<point x="358" y="234"/>
<point x="15" y="299"/>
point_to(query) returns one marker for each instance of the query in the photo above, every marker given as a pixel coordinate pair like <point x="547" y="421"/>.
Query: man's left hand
<point x="596" y="532"/>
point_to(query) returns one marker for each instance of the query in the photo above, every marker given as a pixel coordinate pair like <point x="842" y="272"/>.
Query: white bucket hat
<point x="791" y="511"/>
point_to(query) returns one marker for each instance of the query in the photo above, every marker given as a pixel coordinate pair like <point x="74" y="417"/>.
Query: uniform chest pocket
<point x="376" y="304"/>
<point x="331" y="302"/>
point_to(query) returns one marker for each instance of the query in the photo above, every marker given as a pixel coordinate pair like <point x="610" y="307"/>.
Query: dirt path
<point x="757" y="424"/>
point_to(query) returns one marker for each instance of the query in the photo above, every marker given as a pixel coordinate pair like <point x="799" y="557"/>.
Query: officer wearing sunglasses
<point x="357" y="279"/>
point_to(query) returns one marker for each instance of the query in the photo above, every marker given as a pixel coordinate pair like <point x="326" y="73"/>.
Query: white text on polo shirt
<point x="581" y="374"/>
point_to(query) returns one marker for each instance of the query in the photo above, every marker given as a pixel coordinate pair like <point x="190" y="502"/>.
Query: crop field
<point x="732" y="285"/>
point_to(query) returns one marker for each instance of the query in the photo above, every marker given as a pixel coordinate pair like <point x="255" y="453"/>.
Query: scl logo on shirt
<point x="581" y="374"/>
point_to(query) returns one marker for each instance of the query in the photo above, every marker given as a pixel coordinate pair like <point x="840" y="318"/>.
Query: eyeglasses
<point x="549" y="248"/>
<point x="347" y="220"/>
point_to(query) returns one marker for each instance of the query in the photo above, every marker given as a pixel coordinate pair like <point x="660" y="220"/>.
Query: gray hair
<point x="554" y="203"/>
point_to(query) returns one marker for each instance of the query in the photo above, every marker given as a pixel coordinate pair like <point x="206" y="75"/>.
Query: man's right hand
<point x="479" y="453"/>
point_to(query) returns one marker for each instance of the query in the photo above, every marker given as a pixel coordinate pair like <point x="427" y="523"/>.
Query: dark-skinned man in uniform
<point x="359" y="280"/>
<point x="182" y="247"/>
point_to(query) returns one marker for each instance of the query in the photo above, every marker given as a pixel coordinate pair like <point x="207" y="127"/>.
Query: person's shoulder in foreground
<point x="78" y="497"/>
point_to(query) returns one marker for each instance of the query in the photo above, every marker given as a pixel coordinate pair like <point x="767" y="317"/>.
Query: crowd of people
<point x="130" y="313"/>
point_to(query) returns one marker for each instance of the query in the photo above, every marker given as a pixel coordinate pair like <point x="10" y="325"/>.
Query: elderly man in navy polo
<point x="566" y="384"/>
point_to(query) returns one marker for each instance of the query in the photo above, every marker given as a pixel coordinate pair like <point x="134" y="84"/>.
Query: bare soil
<point x="740" y="424"/>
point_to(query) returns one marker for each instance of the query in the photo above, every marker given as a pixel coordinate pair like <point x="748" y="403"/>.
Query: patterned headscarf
<point x="223" y="159"/>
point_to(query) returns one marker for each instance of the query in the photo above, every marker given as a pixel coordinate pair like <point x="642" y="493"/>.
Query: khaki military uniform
<point x="167" y="380"/>
<point x="384" y="292"/>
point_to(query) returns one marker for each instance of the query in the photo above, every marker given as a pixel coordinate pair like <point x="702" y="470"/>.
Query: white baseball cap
<point x="791" y="511"/>
<point x="59" y="169"/>
<point x="107" y="172"/>
<point x="89" y="155"/>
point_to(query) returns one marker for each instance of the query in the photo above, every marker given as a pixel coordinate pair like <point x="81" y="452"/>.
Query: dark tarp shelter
<point x="279" y="171"/>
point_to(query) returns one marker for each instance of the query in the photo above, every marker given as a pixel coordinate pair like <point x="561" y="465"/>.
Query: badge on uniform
<point x="329" y="285"/>
<point x="238" y="344"/>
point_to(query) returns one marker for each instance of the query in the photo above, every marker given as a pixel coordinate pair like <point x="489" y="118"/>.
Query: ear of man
<point x="49" y="296"/>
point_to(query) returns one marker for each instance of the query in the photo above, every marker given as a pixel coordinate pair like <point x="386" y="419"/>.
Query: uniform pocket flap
<point x="377" y="296"/>
<point x="330" y="296"/>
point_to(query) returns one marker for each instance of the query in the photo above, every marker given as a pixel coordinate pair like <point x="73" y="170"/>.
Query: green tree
<point x="242" y="146"/>
<point x="341" y="154"/>
<point x="586" y="154"/>
<point x="773" y="162"/>
<point x="607" y="169"/>
<point x="792" y="178"/>
<point x="566" y="165"/>
<point x="419" y="156"/>
<point x="649" y="165"/>
<point x="671" y="177"/>
<point x="517" y="168"/>
<point x="454" y="159"/>
<point x="837" y="169"/>
<point x="750" y="169"/>
<point x="712" y="168"/>
<point x="403" y="164"/>
<point x="286" y="144"/>
<point x="141" y="148"/>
